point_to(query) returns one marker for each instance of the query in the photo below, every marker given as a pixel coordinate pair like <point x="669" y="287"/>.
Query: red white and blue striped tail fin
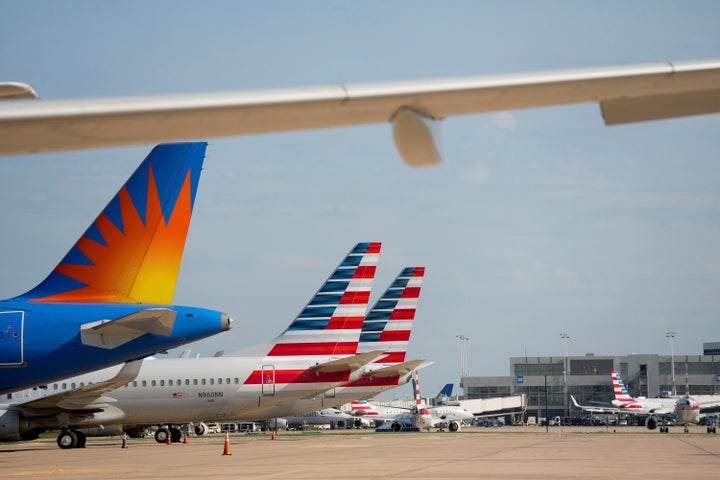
<point x="330" y="324"/>
<point x="363" y="408"/>
<point x="388" y="325"/>
<point x="621" y="393"/>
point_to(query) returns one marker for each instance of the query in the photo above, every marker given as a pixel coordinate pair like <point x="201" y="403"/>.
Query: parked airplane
<point x="316" y="352"/>
<point x="423" y="416"/>
<point x="326" y="416"/>
<point x="387" y="328"/>
<point x="108" y="300"/>
<point x="631" y="93"/>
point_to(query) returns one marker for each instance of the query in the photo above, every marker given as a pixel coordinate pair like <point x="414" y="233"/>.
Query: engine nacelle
<point x="651" y="423"/>
<point x="200" y="428"/>
<point x="10" y="426"/>
<point x="279" y="423"/>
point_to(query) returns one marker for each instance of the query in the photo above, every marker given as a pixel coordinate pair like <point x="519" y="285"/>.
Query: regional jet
<point x="109" y="299"/>
<point x="629" y="93"/>
<point x="315" y="353"/>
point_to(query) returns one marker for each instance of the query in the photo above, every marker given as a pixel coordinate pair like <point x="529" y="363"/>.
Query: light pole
<point x="670" y="336"/>
<point x="566" y="407"/>
<point x="463" y="355"/>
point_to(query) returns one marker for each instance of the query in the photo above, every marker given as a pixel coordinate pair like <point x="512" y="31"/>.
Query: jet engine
<point x="651" y="423"/>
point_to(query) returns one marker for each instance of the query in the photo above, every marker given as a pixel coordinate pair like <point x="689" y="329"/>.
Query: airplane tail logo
<point x="389" y="323"/>
<point x="132" y="252"/>
<point x="330" y="323"/>
<point x="621" y="393"/>
<point x="362" y="408"/>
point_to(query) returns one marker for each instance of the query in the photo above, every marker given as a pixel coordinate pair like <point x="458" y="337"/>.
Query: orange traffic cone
<point x="185" y="440"/>
<point x="273" y="435"/>
<point x="168" y="441"/>
<point x="226" y="449"/>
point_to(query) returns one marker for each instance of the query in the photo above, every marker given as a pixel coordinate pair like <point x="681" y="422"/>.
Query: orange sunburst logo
<point x="139" y="265"/>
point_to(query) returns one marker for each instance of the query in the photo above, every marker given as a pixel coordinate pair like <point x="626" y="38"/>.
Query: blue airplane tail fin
<point x="132" y="252"/>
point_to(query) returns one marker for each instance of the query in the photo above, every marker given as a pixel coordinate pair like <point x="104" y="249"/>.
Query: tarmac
<point x="475" y="452"/>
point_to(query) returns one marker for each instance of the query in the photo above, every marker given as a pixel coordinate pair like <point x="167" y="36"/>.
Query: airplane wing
<point x="630" y="93"/>
<point x="110" y="334"/>
<point x="348" y="363"/>
<point x="88" y="399"/>
<point x="596" y="409"/>
<point x="395" y="370"/>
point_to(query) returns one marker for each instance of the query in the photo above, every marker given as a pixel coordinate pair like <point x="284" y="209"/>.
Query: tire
<point x="161" y="435"/>
<point x="67" y="439"/>
<point x="453" y="427"/>
<point x="175" y="435"/>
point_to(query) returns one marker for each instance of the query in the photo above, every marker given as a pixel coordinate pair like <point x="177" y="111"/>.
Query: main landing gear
<point x="71" y="439"/>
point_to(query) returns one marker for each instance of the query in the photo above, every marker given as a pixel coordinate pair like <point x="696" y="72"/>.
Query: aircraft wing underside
<point x="630" y="93"/>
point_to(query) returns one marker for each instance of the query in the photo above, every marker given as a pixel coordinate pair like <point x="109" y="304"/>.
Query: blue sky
<point x="538" y="222"/>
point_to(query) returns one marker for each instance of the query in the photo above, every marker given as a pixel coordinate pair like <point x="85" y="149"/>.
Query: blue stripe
<point x="352" y="261"/>
<point x="393" y="294"/>
<point x="343" y="273"/>
<point x="360" y="248"/>
<point x="325" y="299"/>
<point x="370" y="337"/>
<point x="310" y="312"/>
<point x="377" y="315"/>
<point x="331" y="287"/>
<point x="407" y="272"/>
<point x="383" y="304"/>
<point x="309" y="325"/>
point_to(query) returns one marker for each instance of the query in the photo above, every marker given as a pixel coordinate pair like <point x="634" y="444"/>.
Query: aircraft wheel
<point x="161" y="435"/>
<point x="396" y="427"/>
<point x="453" y="427"/>
<point x="67" y="439"/>
<point x="81" y="439"/>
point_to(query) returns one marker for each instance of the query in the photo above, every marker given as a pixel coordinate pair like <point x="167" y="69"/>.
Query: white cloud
<point x="504" y="121"/>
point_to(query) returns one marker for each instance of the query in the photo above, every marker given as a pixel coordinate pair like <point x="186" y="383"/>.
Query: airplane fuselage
<point x="41" y="342"/>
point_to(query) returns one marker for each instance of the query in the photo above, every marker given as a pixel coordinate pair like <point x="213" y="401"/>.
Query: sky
<point x="538" y="222"/>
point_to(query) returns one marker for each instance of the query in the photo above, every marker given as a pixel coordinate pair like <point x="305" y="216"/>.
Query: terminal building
<point x="551" y="380"/>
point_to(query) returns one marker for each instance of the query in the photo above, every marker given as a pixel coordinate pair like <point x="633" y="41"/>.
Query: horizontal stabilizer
<point x="110" y="334"/>
<point x="395" y="370"/>
<point x="348" y="363"/>
<point x="90" y="397"/>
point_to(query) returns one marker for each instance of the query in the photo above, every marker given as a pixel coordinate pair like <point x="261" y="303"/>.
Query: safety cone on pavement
<point x="273" y="435"/>
<point x="185" y="439"/>
<point x="168" y="441"/>
<point x="226" y="449"/>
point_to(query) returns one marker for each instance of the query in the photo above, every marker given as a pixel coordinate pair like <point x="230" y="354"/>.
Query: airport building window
<point x="538" y="369"/>
<point x="694" y="368"/>
<point x="591" y="366"/>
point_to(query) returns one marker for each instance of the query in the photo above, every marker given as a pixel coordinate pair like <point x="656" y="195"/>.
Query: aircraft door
<point x="268" y="380"/>
<point x="11" y="338"/>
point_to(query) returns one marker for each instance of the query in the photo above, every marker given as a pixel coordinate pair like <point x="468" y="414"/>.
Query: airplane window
<point x="170" y="382"/>
<point x="144" y="383"/>
<point x="153" y="383"/>
<point x="162" y="383"/>
<point x="134" y="383"/>
<point x="227" y="380"/>
<point x="219" y="381"/>
<point x="82" y="384"/>
<point x="55" y="386"/>
<point x="202" y="381"/>
<point x="72" y="385"/>
<point x="179" y="382"/>
<point x="236" y="381"/>
<point x="64" y="386"/>
<point x="187" y="382"/>
<point x="195" y="381"/>
<point x="212" y="381"/>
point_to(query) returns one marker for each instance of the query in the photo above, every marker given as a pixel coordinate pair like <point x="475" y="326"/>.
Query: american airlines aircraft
<point x="109" y="299"/>
<point x="315" y="353"/>
<point x="387" y="327"/>
<point x="628" y="93"/>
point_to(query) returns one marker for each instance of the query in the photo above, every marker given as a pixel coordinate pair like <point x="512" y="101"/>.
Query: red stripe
<point x="394" y="336"/>
<point x="374" y="247"/>
<point x="345" y="323"/>
<point x="266" y="377"/>
<point x="365" y="271"/>
<point x="313" y="348"/>
<point x="411" y="292"/>
<point x="392" y="357"/>
<point x="403" y="314"/>
<point x="419" y="272"/>
<point x="366" y="381"/>
<point x="355" y="298"/>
